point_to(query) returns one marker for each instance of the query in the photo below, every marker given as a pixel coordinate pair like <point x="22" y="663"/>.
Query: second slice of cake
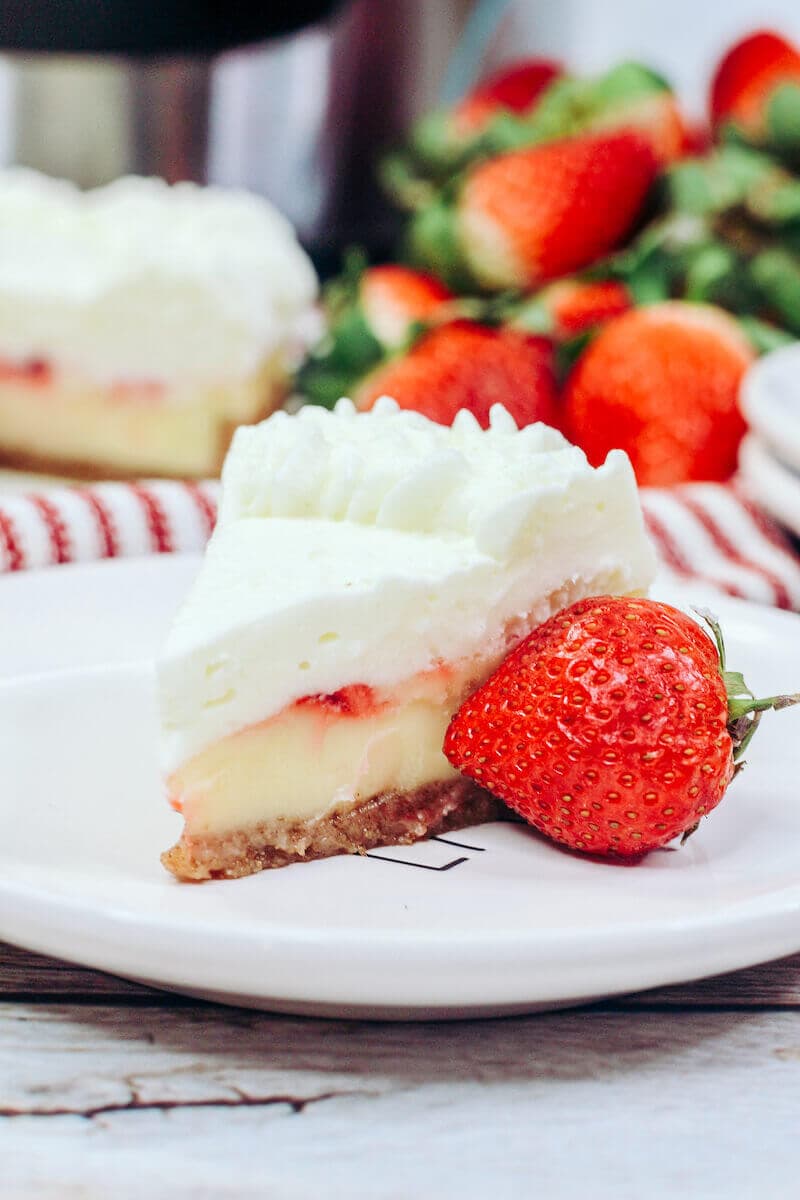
<point x="367" y="572"/>
<point x="141" y="323"/>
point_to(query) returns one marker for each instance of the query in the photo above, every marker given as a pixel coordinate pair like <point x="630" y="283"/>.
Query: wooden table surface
<point x="108" y="1089"/>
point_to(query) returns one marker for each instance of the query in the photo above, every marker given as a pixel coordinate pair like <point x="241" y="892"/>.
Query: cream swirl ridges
<point x="374" y="547"/>
<point x="395" y="469"/>
<point x="142" y="281"/>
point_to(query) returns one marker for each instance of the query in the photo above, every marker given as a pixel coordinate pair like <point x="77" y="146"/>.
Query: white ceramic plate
<point x="491" y="920"/>
<point x="771" y="402"/>
<point x="772" y="485"/>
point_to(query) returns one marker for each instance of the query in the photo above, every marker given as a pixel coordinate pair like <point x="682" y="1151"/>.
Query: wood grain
<point x="26" y="976"/>
<point x="773" y="985"/>
<point x="203" y="1101"/>
<point x="124" y="1090"/>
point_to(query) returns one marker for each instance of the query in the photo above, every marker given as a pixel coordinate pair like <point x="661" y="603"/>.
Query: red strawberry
<point x="514" y="88"/>
<point x="661" y="121"/>
<point x="611" y="727"/>
<point x="371" y="310"/>
<point x="466" y="365"/>
<point x="698" y="140"/>
<point x="394" y="299"/>
<point x="444" y="140"/>
<point x="535" y="214"/>
<point x="747" y="78"/>
<point x="656" y="117"/>
<point x="565" y="309"/>
<point x="662" y="384"/>
<point x="629" y="96"/>
<point x="577" y="306"/>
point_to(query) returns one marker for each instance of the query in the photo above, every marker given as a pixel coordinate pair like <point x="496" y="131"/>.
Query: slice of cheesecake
<point x="367" y="572"/>
<point x="141" y="323"/>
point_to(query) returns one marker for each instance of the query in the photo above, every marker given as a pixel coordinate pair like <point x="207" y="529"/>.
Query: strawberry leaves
<point x="744" y="709"/>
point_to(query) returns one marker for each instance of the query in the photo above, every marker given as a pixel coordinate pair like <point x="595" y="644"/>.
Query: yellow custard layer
<point x="306" y="762"/>
<point x="148" y="429"/>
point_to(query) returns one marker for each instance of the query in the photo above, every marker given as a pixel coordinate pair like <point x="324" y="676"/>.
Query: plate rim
<point x="711" y="941"/>
<point x="771" y="483"/>
<point x="777" y="927"/>
<point x="757" y="401"/>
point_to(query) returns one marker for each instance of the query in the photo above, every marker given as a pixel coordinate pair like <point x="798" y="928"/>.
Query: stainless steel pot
<point x="300" y="119"/>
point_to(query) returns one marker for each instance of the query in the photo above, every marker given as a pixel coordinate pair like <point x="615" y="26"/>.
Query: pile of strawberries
<point x="576" y="252"/>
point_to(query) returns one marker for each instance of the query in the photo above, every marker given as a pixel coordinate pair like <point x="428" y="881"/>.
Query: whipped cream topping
<point x="397" y="470"/>
<point x="142" y="281"/>
<point x="372" y="547"/>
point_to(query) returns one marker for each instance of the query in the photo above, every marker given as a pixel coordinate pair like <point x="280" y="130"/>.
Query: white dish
<point x="491" y="920"/>
<point x="772" y="485"/>
<point x="770" y="401"/>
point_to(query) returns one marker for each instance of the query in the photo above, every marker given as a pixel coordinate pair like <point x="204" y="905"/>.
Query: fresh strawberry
<point x="613" y="728"/>
<point x="633" y="97"/>
<point x="466" y="365"/>
<point x="658" y="119"/>
<point x="543" y="212"/>
<point x="570" y="307"/>
<point x="370" y="311"/>
<point x="662" y="383"/>
<point x="514" y="88"/>
<point x="577" y="306"/>
<point x="446" y="138"/>
<point x="628" y="97"/>
<point x="697" y="140"/>
<point x="747" y="81"/>
<point x="395" y="299"/>
<point x="532" y="215"/>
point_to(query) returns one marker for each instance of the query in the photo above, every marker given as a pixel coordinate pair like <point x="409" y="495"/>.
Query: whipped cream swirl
<point x="394" y="469"/>
<point x="140" y="281"/>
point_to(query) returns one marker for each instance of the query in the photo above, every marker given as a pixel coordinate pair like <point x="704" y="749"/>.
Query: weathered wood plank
<point x="770" y="985"/>
<point x="26" y="976"/>
<point x="32" y="977"/>
<point x="210" y="1102"/>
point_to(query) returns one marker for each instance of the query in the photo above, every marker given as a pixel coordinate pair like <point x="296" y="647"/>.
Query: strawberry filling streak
<point x="35" y="371"/>
<point x="356" y="700"/>
<point x="39" y="373"/>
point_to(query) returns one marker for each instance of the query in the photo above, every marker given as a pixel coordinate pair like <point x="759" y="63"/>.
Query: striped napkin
<point x="703" y="531"/>
<point x="714" y="534"/>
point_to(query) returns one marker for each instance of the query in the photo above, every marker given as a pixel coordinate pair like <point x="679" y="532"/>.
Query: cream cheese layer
<point x="302" y="765"/>
<point x="142" y="281"/>
<point x="370" y="548"/>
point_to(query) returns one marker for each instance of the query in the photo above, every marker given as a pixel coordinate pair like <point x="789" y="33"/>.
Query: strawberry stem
<point x="744" y="709"/>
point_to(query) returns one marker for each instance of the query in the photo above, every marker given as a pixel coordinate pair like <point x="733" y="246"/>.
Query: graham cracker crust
<point x="391" y="818"/>
<point x="66" y="470"/>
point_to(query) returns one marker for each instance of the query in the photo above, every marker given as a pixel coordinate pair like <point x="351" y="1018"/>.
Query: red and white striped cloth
<point x="702" y="531"/>
<point x="105" y="520"/>
<point x="714" y="534"/>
